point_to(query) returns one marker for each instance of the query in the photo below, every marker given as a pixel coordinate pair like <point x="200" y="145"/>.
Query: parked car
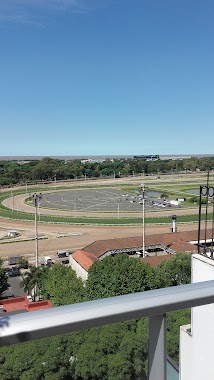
<point x="13" y="260"/>
<point x="64" y="262"/>
<point x="8" y="272"/>
<point x="14" y="272"/>
<point x="61" y="254"/>
<point x="48" y="260"/>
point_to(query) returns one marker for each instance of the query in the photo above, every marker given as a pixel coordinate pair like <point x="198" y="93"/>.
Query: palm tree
<point x="30" y="280"/>
<point x="3" y="279"/>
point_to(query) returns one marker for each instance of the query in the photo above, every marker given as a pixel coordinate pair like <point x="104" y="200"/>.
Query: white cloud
<point x="34" y="12"/>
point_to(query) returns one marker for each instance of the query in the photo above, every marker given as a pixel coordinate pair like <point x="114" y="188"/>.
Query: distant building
<point x="150" y="157"/>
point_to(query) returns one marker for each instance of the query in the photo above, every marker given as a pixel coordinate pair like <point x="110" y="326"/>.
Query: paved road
<point x="14" y="290"/>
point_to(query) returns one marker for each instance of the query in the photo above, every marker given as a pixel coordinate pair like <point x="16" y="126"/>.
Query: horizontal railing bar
<point x="63" y="319"/>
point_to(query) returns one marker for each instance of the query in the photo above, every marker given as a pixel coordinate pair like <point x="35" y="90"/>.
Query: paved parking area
<point x="14" y="289"/>
<point x="101" y="200"/>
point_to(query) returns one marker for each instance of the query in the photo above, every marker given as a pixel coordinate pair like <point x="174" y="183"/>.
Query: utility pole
<point x="36" y="199"/>
<point x="118" y="209"/>
<point x="12" y="197"/>
<point x="75" y="207"/>
<point x="143" y="190"/>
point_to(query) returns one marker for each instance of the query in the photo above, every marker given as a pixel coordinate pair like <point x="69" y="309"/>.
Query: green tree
<point x="61" y="285"/>
<point x="119" y="275"/>
<point x="23" y="263"/>
<point x="176" y="271"/>
<point x="30" y="279"/>
<point x="3" y="279"/>
<point x="90" y="362"/>
<point x="117" y="351"/>
<point x="41" y="359"/>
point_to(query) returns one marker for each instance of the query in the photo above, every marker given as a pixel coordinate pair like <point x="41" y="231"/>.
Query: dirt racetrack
<point x="85" y="235"/>
<point x="72" y="237"/>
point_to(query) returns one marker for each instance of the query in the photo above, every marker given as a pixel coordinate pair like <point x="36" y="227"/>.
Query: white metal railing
<point x="153" y="304"/>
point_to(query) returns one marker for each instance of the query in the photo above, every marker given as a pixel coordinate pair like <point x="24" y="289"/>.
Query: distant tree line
<point x="118" y="351"/>
<point x="48" y="169"/>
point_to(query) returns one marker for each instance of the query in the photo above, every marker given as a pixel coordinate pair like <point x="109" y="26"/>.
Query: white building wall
<point x="196" y="344"/>
<point x="80" y="271"/>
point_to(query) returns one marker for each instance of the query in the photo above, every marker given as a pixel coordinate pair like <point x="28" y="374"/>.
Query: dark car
<point x="8" y="272"/>
<point x="14" y="272"/>
<point x="64" y="262"/>
<point x="61" y="254"/>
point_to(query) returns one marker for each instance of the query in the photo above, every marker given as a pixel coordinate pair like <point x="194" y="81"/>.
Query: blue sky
<point x="106" y="77"/>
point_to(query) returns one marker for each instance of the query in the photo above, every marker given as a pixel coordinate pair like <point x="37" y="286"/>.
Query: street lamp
<point x="75" y="207"/>
<point x="36" y="199"/>
<point x="143" y="190"/>
<point x="118" y="208"/>
<point x="11" y="190"/>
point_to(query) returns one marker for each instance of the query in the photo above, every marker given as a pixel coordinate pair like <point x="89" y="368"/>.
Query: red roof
<point x="84" y="259"/>
<point x="177" y="241"/>
<point x="22" y="303"/>
<point x="154" y="261"/>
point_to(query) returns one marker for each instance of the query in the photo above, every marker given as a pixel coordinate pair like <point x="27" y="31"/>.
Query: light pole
<point x="85" y="177"/>
<point x="118" y="209"/>
<point x="11" y="190"/>
<point x="36" y="199"/>
<point x="75" y="207"/>
<point x="143" y="190"/>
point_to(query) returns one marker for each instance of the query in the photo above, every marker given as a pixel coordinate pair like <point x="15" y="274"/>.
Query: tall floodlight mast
<point x="143" y="190"/>
<point x="36" y="199"/>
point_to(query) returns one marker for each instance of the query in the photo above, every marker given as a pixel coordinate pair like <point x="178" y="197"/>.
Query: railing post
<point x="157" y="347"/>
